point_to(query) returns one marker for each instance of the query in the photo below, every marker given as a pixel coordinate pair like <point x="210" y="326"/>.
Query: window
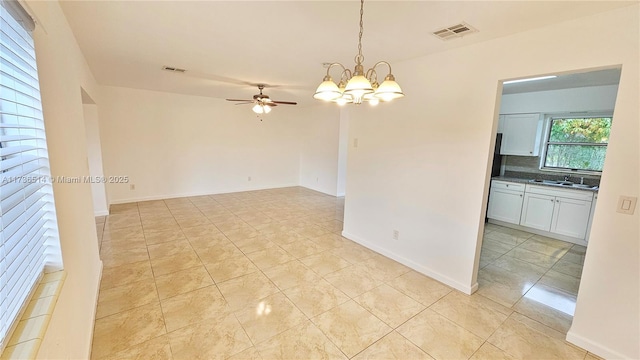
<point x="577" y="143"/>
<point x="28" y="226"/>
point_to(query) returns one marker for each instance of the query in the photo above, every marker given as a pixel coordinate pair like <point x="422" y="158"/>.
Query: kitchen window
<point x="576" y="143"/>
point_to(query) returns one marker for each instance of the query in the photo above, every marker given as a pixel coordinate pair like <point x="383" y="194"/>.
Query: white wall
<point x="172" y="145"/>
<point x="319" y="140"/>
<point x="63" y="71"/>
<point x="94" y="153"/>
<point x="343" y="147"/>
<point x="592" y="98"/>
<point x="421" y="167"/>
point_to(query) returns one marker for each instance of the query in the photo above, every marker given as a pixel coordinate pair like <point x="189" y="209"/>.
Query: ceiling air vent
<point x="455" y="31"/>
<point x="174" y="69"/>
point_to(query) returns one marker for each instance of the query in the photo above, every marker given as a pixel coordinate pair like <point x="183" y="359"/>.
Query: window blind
<point x="28" y="226"/>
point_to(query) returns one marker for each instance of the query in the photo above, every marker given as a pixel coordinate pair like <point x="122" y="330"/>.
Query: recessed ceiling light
<point x="529" y="79"/>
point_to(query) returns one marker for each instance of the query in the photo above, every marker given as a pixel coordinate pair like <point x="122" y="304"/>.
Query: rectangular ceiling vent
<point x="455" y="31"/>
<point x="174" y="69"/>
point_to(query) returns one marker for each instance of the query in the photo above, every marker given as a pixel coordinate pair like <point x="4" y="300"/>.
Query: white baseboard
<point x="181" y="195"/>
<point x="413" y="265"/>
<point x="540" y="232"/>
<point x="317" y="189"/>
<point x="101" y="213"/>
<point x="593" y="347"/>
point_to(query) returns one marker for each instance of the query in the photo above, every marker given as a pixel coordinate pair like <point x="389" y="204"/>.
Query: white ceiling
<point x="225" y="43"/>
<point x="567" y="81"/>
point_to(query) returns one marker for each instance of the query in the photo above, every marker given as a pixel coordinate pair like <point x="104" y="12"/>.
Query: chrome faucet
<point x="566" y="178"/>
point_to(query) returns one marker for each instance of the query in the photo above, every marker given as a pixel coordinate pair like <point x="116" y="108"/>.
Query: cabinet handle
<point x="557" y="200"/>
<point x="520" y="195"/>
<point x="551" y="200"/>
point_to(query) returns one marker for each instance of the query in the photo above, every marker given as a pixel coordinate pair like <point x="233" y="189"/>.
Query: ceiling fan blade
<point x="244" y="103"/>
<point x="240" y="100"/>
<point x="286" y="102"/>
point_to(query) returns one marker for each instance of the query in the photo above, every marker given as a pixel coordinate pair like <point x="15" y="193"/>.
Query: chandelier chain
<point x="360" y="57"/>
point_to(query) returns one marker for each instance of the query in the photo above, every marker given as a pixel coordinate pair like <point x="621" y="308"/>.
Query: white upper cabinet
<point x="520" y="134"/>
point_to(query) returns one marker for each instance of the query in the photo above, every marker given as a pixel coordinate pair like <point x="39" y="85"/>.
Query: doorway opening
<point x="551" y="143"/>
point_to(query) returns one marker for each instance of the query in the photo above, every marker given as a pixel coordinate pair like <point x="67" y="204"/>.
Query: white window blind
<point x="28" y="227"/>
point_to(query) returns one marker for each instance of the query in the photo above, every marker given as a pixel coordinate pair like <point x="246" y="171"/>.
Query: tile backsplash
<point x="528" y="167"/>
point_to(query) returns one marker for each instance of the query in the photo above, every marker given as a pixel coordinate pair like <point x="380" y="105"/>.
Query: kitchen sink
<point x="563" y="184"/>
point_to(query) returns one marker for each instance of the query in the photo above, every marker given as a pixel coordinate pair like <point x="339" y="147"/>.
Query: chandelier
<point x="358" y="86"/>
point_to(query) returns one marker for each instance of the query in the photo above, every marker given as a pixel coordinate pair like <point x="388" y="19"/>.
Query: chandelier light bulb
<point x="257" y="108"/>
<point x="266" y="109"/>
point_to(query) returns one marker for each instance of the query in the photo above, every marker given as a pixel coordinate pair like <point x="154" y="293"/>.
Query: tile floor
<point x="266" y="275"/>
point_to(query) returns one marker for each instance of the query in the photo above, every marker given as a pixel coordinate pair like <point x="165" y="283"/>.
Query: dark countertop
<point x="529" y="181"/>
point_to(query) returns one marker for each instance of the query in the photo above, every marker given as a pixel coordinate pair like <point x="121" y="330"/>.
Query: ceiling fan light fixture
<point x="359" y="84"/>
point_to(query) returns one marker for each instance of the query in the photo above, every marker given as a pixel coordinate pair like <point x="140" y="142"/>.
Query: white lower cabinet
<point x="564" y="213"/>
<point x="571" y="217"/>
<point x="537" y="211"/>
<point x="505" y="201"/>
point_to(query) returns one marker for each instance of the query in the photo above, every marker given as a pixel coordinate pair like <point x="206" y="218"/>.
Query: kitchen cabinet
<point x="593" y="209"/>
<point x="562" y="212"/>
<point x="521" y="134"/>
<point x="500" y="124"/>
<point x="505" y="201"/>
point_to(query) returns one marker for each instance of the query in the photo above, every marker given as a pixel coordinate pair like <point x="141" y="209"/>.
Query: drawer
<point x="564" y="193"/>
<point x="506" y="185"/>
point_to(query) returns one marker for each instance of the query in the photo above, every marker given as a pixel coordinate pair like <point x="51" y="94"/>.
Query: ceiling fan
<point x="262" y="103"/>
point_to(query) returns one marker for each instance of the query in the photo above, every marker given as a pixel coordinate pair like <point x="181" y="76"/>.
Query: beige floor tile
<point x="490" y="352"/>
<point x="270" y="257"/>
<point x="192" y="222"/>
<point x="488" y="256"/>
<point x="126" y="274"/>
<point x="523" y="338"/>
<point x="271" y="316"/>
<point x="156" y="349"/>
<point x="163" y="225"/>
<point x="325" y="262"/>
<point x="163" y="236"/>
<point x="111" y="249"/>
<point x="512" y="238"/>
<point x="353" y="252"/>
<point x="285" y="237"/>
<point x="123" y="234"/>
<point x="561" y="281"/>
<point x="353" y="280"/>
<point x="182" y="281"/>
<point x="575" y="255"/>
<point x="393" y="346"/>
<point x="303" y="248"/>
<point x="389" y="305"/>
<point x="247" y="354"/>
<point x="253" y="244"/>
<point x="330" y="241"/>
<point x="591" y="356"/>
<point x="192" y="307"/>
<point x="292" y="273"/>
<point x="475" y="313"/>
<point x="247" y="290"/>
<point x="420" y="287"/>
<point x="117" y="299"/>
<point x="217" y="253"/>
<point x="208" y="241"/>
<point x="123" y="330"/>
<point x="495" y="245"/>
<point x="168" y="248"/>
<point x="230" y="268"/>
<point x="201" y="231"/>
<point x="545" y="245"/>
<point x="315" y="298"/>
<point x="544" y="314"/>
<point x="302" y="342"/>
<point x="501" y="286"/>
<point x="123" y="257"/>
<point x="203" y="341"/>
<point x="240" y="233"/>
<point x="440" y="337"/>
<point x="118" y="221"/>
<point x="383" y="268"/>
<point x="170" y="264"/>
<point x="535" y="258"/>
<point x="519" y="267"/>
<point x="568" y="268"/>
<point x="351" y="327"/>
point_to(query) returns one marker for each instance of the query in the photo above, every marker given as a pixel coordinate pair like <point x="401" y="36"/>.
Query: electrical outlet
<point x="132" y="186"/>
<point x="249" y="178"/>
<point x="396" y="234"/>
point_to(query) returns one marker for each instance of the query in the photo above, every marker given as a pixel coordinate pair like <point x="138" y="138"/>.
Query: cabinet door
<point x="537" y="211"/>
<point x="500" y="124"/>
<point x="505" y="205"/>
<point x="521" y="135"/>
<point x="571" y="217"/>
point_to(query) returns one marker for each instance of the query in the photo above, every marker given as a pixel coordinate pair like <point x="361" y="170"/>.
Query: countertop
<point x="528" y="181"/>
